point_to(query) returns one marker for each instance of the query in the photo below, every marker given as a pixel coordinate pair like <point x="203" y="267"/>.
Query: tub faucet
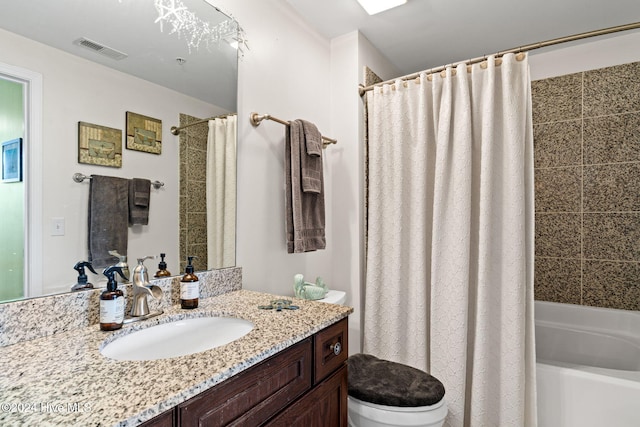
<point x="142" y="289"/>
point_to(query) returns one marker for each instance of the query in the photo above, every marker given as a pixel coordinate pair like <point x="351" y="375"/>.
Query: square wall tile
<point x="182" y="149"/>
<point x="197" y="231"/>
<point x="196" y="169"/>
<point x="196" y="197"/>
<point x="611" y="139"/>
<point x="557" y="98"/>
<point x="558" y="235"/>
<point x="611" y="284"/>
<point x="612" y="187"/>
<point x="198" y="136"/>
<point x="183" y="244"/>
<point x="557" y="280"/>
<point x="557" y="144"/>
<point x="197" y="228"/>
<point x="183" y="179"/>
<point x="199" y="252"/>
<point x="558" y="189"/>
<point x="612" y="236"/>
<point x="183" y="212"/>
<point x="612" y="90"/>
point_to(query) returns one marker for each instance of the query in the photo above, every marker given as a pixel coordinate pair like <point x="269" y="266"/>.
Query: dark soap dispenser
<point x="83" y="281"/>
<point x="189" y="287"/>
<point x="162" y="268"/>
<point x="112" y="301"/>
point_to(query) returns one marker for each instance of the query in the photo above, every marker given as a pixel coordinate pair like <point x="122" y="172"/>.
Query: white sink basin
<point x="177" y="338"/>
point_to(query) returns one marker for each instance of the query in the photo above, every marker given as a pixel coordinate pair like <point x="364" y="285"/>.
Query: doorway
<point x="12" y="190"/>
<point x="21" y="199"/>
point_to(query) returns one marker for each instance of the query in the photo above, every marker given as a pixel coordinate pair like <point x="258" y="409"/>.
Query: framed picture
<point x="99" y="145"/>
<point x="144" y="133"/>
<point x="12" y="160"/>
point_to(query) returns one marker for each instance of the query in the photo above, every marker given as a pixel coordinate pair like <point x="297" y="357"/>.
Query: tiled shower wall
<point x="193" y="198"/>
<point x="587" y="187"/>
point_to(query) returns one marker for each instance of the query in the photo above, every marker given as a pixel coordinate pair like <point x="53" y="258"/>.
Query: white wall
<point x="285" y="73"/>
<point x="347" y="174"/>
<point x="589" y="54"/>
<point x="292" y="72"/>
<point x="350" y="53"/>
<point x="75" y="90"/>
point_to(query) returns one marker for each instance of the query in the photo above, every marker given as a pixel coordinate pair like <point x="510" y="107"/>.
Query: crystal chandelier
<point x="196" y="32"/>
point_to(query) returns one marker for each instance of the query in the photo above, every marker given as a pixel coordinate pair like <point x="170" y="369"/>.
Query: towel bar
<point x="256" y="119"/>
<point x="176" y="129"/>
<point x="78" y="177"/>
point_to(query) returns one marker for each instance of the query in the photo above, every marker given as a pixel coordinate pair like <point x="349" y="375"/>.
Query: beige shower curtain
<point x="221" y="192"/>
<point x="449" y="278"/>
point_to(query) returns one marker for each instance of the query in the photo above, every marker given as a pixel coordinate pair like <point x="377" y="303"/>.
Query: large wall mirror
<point x="71" y="61"/>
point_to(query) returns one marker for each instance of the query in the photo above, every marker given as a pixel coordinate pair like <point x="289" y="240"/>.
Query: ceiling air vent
<point x="100" y="48"/>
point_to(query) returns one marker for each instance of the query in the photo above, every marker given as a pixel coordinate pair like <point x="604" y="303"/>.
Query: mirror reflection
<point x="44" y="227"/>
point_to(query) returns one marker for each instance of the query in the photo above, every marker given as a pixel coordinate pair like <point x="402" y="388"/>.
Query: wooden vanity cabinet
<point x="324" y="406"/>
<point x="303" y="385"/>
<point x="166" y="419"/>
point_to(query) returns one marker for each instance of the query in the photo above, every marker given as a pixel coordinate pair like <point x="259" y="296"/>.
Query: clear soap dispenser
<point x="189" y="287"/>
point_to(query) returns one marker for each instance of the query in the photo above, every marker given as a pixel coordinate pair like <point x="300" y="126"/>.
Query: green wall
<point x="11" y="198"/>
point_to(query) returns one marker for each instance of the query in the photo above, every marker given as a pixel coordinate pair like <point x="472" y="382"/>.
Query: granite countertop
<point x="64" y="380"/>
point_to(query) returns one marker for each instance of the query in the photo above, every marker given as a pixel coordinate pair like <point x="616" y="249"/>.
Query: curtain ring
<point x="484" y="64"/>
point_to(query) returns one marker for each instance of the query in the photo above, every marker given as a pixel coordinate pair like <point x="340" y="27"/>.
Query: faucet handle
<point x="142" y="260"/>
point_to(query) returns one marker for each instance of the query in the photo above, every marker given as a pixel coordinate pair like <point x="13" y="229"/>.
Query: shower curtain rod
<point x="257" y="118"/>
<point x="363" y="89"/>
<point x="176" y="130"/>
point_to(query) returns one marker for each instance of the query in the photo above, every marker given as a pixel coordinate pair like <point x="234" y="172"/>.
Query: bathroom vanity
<point x="305" y="385"/>
<point x="288" y="370"/>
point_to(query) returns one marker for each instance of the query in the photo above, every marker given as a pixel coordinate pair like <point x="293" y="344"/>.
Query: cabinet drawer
<point x="330" y="349"/>
<point x="255" y="395"/>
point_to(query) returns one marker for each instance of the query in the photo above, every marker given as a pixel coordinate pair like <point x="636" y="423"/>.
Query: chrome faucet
<point x="142" y="289"/>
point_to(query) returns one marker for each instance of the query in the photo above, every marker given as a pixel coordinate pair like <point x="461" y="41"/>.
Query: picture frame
<point x="144" y="133"/>
<point x="12" y="160"/>
<point x="99" y="145"/>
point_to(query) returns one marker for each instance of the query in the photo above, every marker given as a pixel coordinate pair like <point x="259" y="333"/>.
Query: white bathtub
<point x="588" y="366"/>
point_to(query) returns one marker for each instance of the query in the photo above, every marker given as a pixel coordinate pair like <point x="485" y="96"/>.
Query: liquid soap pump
<point x="83" y="282"/>
<point x="189" y="287"/>
<point x="162" y="268"/>
<point x="112" y="301"/>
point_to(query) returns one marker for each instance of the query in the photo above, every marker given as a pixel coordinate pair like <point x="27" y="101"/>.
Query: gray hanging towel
<point x="108" y="218"/>
<point x="139" y="192"/>
<point x="304" y="211"/>
<point x="311" y="158"/>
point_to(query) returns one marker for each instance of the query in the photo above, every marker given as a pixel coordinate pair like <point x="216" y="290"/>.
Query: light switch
<point x="57" y="226"/>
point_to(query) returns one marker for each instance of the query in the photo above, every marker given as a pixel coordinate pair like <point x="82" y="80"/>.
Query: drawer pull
<point x="336" y="348"/>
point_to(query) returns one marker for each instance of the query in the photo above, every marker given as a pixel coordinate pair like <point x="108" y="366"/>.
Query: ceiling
<point x="209" y="73"/>
<point x="423" y="34"/>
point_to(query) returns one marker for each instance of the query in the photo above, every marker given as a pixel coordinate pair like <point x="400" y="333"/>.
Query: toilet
<point x="384" y="393"/>
<point x="334" y="297"/>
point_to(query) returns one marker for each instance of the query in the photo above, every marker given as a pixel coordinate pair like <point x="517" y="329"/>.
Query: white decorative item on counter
<point x="307" y="290"/>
